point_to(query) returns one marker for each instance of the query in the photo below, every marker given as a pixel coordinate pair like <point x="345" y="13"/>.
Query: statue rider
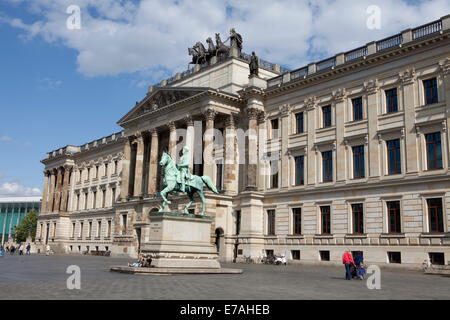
<point x="235" y="40"/>
<point x="183" y="167"/>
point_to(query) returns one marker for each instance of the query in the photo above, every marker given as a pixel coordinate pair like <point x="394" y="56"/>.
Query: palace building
<point x="349" y="152"/>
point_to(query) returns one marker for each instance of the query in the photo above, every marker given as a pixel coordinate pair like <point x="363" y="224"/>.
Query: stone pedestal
<point x="181" y="241"/>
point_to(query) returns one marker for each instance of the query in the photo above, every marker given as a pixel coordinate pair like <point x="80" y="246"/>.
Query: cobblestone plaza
<point x="44" y="277"/>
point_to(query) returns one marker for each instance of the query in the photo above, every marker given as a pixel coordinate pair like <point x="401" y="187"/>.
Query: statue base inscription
<point x="181" y="241"/>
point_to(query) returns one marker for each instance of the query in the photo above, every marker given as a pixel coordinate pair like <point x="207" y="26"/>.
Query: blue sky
<point x="60" y="86"/>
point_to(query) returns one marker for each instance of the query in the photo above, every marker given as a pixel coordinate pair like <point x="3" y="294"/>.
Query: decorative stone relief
<point x="408" y="76"/>
<point x="371" y="86"/>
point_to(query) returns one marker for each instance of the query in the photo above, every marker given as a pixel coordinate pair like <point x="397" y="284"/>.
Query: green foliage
<point x="27" y="226"/>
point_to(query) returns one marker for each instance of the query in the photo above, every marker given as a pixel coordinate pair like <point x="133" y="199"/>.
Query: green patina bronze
<point x="179" y="179"/>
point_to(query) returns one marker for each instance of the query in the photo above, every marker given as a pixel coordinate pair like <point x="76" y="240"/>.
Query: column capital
<point x="371" y="86"/>
<point x="311" y="103"/>
<point x="209" y="114"/>
<point x="171" y="125"/>
<point x="189" y="120"/>
<point x="408" y="76"/>
<point x="340" y="94"/>
<point x="252" y="113"/>
<point x="285" y="110"/>
<point x="262" y="117"/>
<point x="46" y="173"/>
<point x="154" y="132"/>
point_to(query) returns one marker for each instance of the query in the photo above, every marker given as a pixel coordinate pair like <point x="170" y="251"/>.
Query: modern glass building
<point x="12" y="211"/>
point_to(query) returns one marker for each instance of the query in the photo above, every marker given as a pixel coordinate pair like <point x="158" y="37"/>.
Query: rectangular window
<point x="109" y="229"/>
<point x="358" y="162"/>
<point x="96" y="171"/>
<point x="116" y="164"/>
<point x="324" y="255"/>
<point x="94" y="202"/>
<point x="274" y="124"/>
<point x="113" y="200"/>
<point x="54" y="229"/>
<point x="394" y="219"/>
<point x="297" y="220"/>
<point x="431" y="91"/>
<point x="219" y="176"/>
<point x="435" y="215"/>
<point x="103" y="198"/>
<point x="391" y="101"/>
<point x="357" y="109"/>
<point x="85" y="200"/>
<point x="395" y="257"/>
<point x="326" y="222"/>
<point x="271" y="222"/>
<point x="124" y="224"/>
<point x="81" y="229"/>
<point x="326" y="113"/>
<point x="73" y="230"/>
<point x="99" y="228"/>
<point x="299" y="171"/>
<point x="78" y="201"/>
<point x="299" y="122"/>
<point x="358" y="218"/>
<point x="393" y="151"/>
<point x="238" y="222"/>
<point x="295" y="254"/>
<point x="274" y="174"/>
<point x="434" y="151"/>
<point x="437" y="258"/>
<point x="327" y="166"/>
<point x="90" y="229"/>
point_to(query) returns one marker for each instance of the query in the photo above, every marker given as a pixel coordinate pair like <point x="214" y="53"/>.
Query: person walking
<point x="29" y="249"/>
<point x="21" y="250"/>
<point x="47" y="249"/>
<point x="347" y="260"/>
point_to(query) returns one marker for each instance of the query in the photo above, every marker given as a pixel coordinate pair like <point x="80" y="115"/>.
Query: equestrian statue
<point x="179" y="179"/>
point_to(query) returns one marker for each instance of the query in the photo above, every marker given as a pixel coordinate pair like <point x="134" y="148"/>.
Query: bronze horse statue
<point x="193" y="186"/>
<point x="221" y="48"/>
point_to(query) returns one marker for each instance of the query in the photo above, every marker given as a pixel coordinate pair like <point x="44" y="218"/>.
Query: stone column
<point x="124" y="190"/>
<point x="65" y="188"/>
<point x="445" y="74"/>
<point x="252" y="154"/>
<point x="230" y="166"/>
<point x="311" y="110"/>
<point x="408" y="79"/>
<point x="51" y="193"/>
<point x="45" y="193"/>
<point x="372" y="91"/>
<point x="208" y="158"/>
<point x="262" y="151"/>
<point x="190" y="136"/>
<point x="339" y="97"/>
<point x="58" y="189"/>
<point x="153" y="166"/>
<point x="285" y="112"/>
<point x="139" y="165"/>
<point x="172" y="140"/>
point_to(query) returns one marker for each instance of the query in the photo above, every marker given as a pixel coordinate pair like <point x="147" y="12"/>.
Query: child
<point x="361" y="271"/>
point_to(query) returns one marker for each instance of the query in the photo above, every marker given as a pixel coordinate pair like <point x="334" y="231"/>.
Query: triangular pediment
<point x="161" y="98"/>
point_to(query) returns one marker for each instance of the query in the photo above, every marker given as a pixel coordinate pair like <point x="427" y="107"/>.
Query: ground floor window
<point x="297" y="220"/>
<point x="325" y="216"/>
<point x="324" y="255"/>
<point x="271" y="222"/>
<point x="358" y="218"/>
<point x="394" y="221"/>
<point x="437" y="258"/>
<point x="295" y="254"/>
<point x="395" y="257"/>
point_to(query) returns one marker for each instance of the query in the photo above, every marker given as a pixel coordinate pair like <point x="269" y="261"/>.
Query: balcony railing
<point x="274" y="81"/>
<point x="390" y="42"/>
<point x="356" y="54"/>
<point x="427" y="29"/>
<point x="300" y="73"/>
<point x="326" y="64"/>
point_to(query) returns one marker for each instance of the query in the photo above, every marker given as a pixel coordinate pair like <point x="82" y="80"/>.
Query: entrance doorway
<point x="220" y="241"/>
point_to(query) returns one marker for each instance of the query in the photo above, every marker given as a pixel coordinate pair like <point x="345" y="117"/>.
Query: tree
<point x="27" y="227"/>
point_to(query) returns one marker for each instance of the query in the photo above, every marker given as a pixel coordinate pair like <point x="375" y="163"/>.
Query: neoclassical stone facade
<point x="350" y="152"/>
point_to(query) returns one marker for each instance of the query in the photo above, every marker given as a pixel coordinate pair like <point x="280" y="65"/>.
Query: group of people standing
<point x="11" y="249"/>
<point x="353" y="268"/>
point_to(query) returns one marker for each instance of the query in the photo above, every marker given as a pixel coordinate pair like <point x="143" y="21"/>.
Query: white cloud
<point x="15" y="189"/>
<point x="151" y="37"/>
<point x="6" y="139"/>
<point x="47" y="83"/>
